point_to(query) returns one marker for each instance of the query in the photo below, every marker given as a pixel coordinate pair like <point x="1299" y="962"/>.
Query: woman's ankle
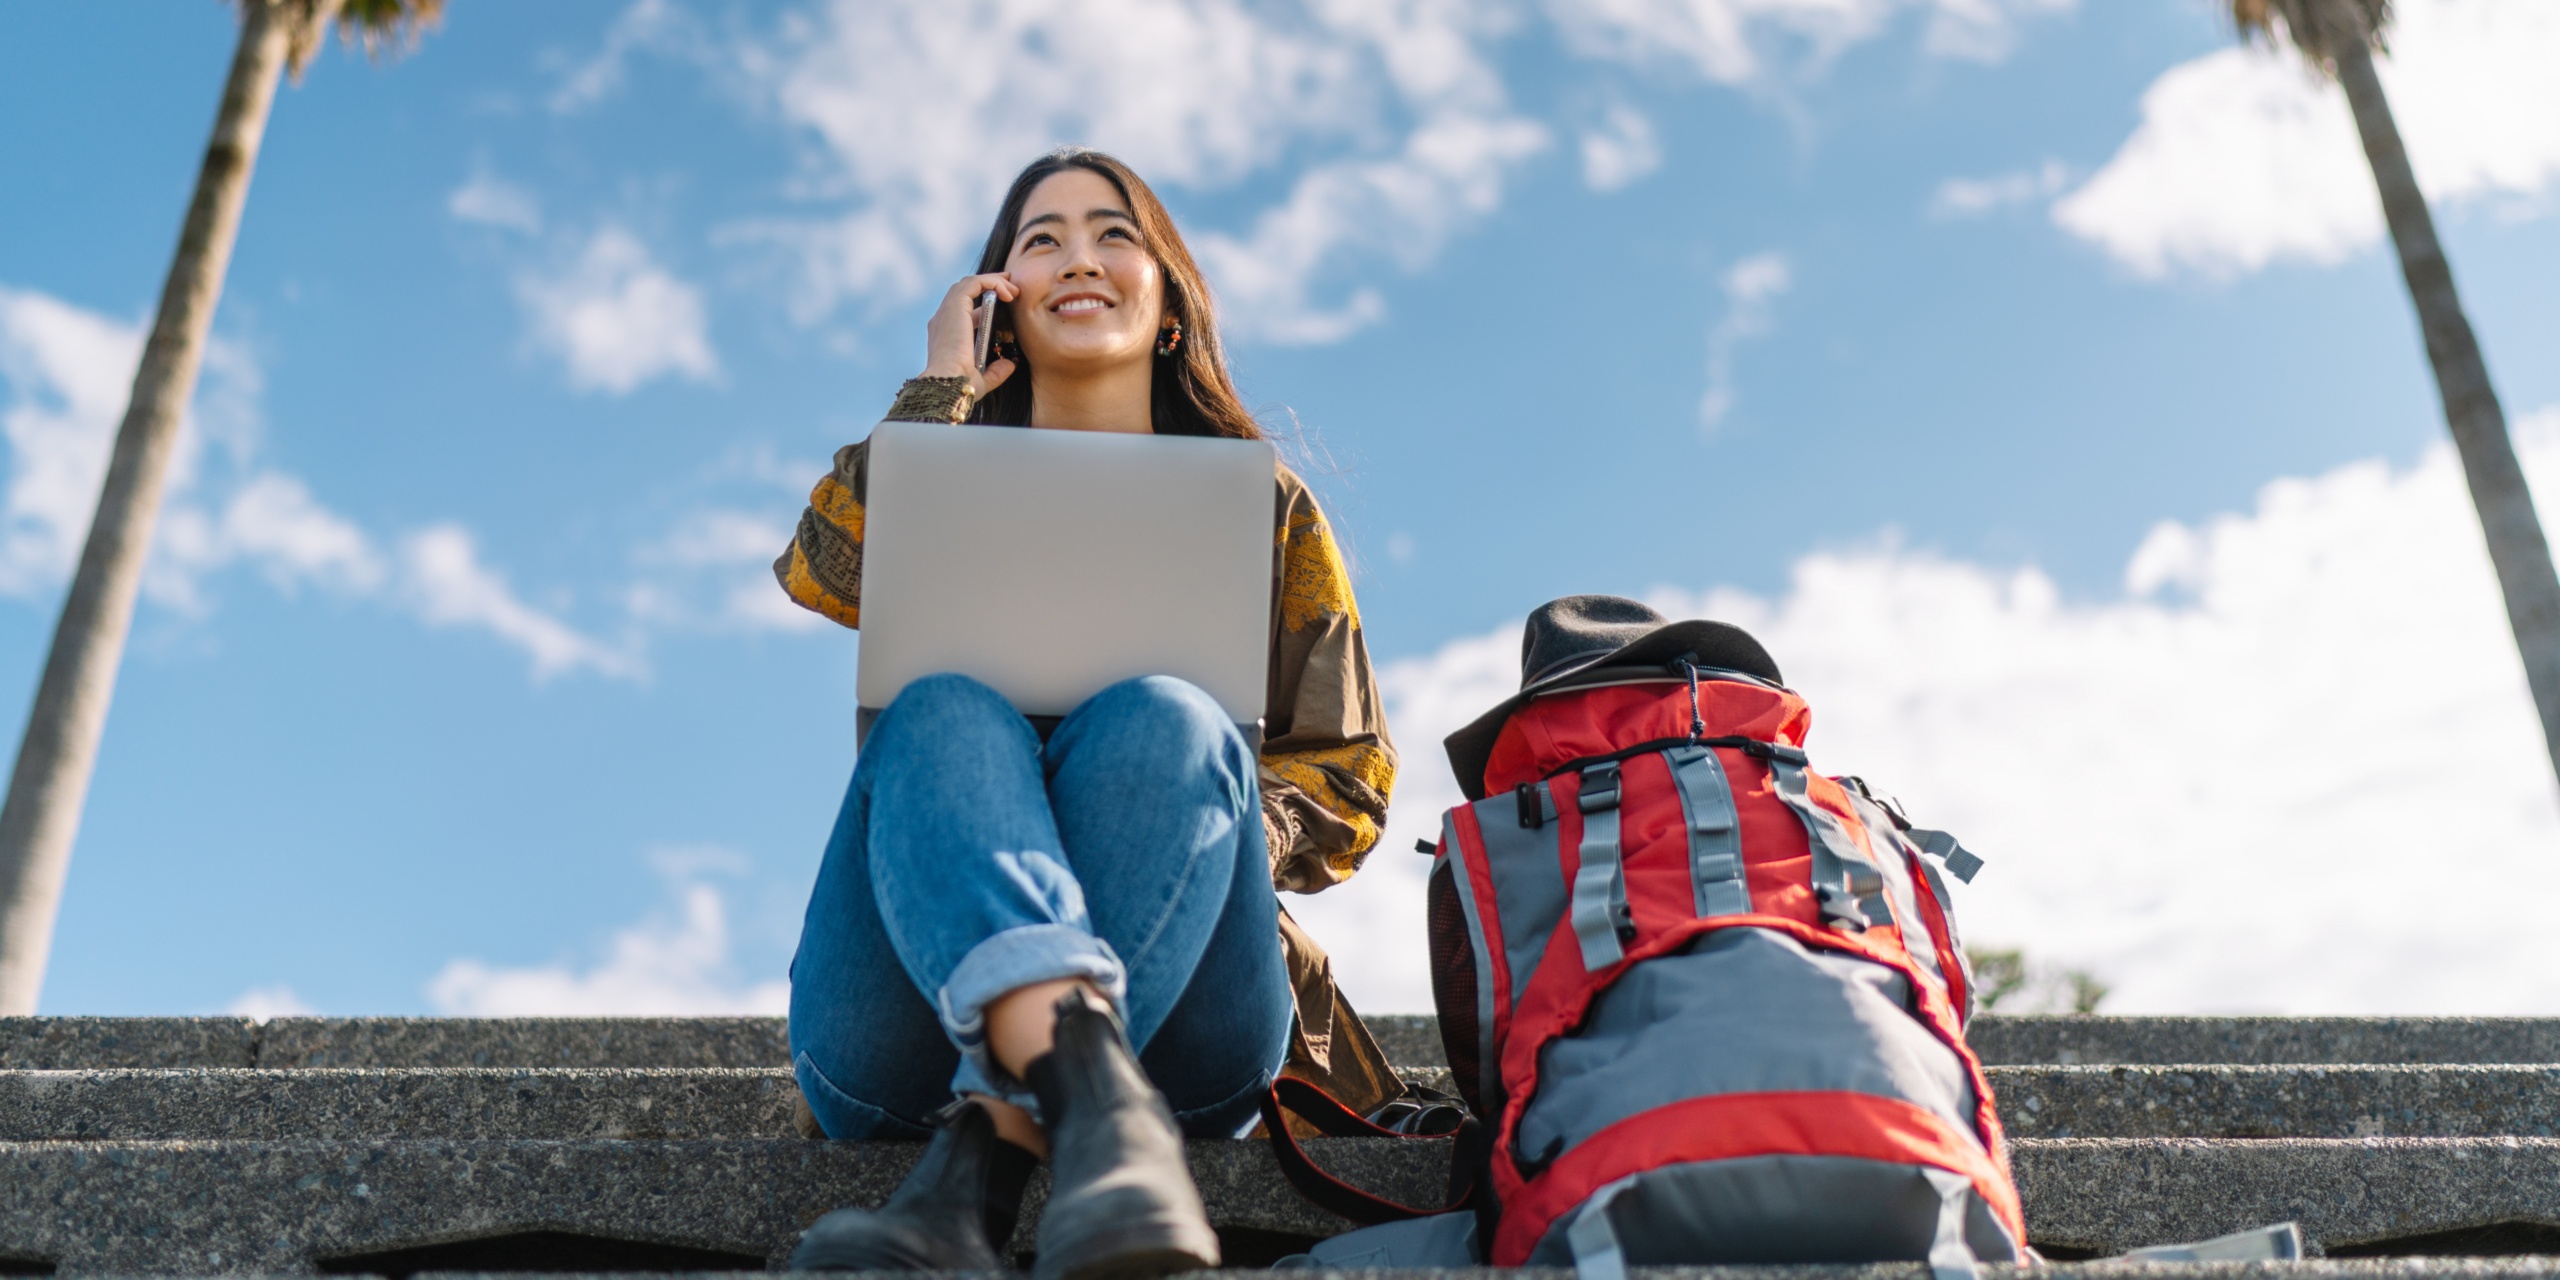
<point x="1014" y="1125"/>
<point x="1023" y="1023"/>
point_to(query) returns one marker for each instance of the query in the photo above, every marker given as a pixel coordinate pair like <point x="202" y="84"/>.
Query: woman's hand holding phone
<point x="955" y="336"/>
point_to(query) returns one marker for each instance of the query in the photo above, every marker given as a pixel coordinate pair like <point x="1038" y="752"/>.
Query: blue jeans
<point x="970" y="860"/>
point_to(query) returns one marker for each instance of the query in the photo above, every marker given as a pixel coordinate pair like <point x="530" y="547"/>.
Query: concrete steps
<point x="70" y="1044"/>
<point x="2217" y="1101"/>
<point x="2066" y="1040"/>
<point x="374" y="1103"/>
<point x="396" y="1146"/>
<point x="720" y="1204"/>
<point x="448" y="1103"/>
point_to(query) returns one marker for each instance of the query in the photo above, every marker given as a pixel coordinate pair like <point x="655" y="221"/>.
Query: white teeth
<point x="1082" y="304"/>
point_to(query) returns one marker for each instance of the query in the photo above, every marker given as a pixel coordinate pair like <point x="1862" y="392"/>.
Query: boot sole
<point x="1136" y="1255"/>
<point x="887" y="1251"/>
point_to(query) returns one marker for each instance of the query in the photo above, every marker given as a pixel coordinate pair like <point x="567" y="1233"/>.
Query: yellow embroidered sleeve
<point x="1327" y="764"/>
<point x="822" y="568"/>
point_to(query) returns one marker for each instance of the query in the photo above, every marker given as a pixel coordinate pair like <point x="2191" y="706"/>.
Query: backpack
<point x="1709" y="1004"/>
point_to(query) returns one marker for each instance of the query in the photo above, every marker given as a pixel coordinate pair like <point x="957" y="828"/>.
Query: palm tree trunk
<point x="51" y="781"/>
<point x="2516" y="545"/>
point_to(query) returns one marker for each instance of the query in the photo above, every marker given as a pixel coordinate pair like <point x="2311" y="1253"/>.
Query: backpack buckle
<point x="1537" y="805"/>
<point x="1599" y="788"/>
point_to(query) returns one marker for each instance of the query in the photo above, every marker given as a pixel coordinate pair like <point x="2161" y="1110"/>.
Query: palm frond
<point x="389" y="24"/>
<point x="2317" y="29"/>
<point x="383" y="27"/>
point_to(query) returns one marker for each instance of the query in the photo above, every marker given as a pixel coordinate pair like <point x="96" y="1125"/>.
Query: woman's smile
<point x="1076" y="303"/>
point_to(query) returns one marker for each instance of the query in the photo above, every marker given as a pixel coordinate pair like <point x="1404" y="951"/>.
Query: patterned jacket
<point x="1327" y="764"/>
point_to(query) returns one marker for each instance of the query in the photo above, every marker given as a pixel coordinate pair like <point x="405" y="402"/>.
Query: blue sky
<point x="459" y="683"/>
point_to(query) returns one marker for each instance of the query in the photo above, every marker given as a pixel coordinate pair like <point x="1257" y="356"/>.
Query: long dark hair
<point x="1193" y="395"/>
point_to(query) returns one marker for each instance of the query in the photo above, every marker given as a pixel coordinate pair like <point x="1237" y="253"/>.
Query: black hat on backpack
<point x="1590" y="639"/>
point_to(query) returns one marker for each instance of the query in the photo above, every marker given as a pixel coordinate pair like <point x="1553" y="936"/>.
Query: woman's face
<point x="1092" y="295"/>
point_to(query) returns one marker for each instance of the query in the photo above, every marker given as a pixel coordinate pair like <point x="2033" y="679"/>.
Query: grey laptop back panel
<point x="1051" y="565"/>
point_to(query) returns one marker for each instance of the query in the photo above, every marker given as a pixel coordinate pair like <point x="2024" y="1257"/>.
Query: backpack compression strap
<point x="1311" y="1103"/>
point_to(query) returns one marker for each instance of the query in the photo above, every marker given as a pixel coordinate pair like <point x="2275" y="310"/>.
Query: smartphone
<point x="986" y="324"/>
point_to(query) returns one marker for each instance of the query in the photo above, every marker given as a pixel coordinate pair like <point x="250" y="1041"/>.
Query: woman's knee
<point x="1163" y="708"/>
<point x="946" y="705"/>
<point x="949" y="693"/>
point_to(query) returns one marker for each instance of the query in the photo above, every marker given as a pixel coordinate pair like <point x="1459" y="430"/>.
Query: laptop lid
<point x="1050" y="565"/>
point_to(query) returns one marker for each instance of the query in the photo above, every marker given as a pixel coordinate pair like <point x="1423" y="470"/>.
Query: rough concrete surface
<point x="2069" y="1040"/>
<point x="231" y="1207"/>
<point x="2278" y="1102"/>
<point x="523" y="1042"/>
<point x="442" y="1103"/>
<point x="248" y="1206"/>
<point x="217" y="1145"/>
<point x="1409" y="1040"/>
<point x="720" y="1102"/>
<point x="51" y="1044"/>
<point x="2114" y="1194"/>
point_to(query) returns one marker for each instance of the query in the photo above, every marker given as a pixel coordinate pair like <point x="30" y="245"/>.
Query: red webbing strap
<point x="1290" y="1095"/>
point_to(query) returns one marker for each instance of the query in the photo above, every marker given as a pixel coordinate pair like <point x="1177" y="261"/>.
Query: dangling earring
<point x="1169" y="337"/>
<point x="1005" y="348"/>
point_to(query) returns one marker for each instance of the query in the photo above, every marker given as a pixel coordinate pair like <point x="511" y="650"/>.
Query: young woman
<point x="1070" y="945"/>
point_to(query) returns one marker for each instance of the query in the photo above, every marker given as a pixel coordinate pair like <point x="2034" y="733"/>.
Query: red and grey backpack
<point x="1709" y="1003"/>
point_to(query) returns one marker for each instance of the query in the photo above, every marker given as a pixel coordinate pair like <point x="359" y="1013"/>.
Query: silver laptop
<point x="1051" y="565"/>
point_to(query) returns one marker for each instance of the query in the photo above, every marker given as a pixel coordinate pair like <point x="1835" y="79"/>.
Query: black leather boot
<point x="953" y="1213"/>
<point x="1122" y="1205"/>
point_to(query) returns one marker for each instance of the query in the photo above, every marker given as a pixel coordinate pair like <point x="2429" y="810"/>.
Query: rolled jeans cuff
<point x="1009" y="961"/>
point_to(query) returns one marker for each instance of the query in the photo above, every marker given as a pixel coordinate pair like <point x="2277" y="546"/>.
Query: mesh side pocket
<point x="1453" y="985"/>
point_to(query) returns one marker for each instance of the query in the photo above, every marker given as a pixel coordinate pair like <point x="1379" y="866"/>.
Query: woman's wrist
<point x="933" y="397"/>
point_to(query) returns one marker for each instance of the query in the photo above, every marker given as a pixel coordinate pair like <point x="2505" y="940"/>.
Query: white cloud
<point x="445" y="583"/>
<point x="1391" y="117"/>
<point x="1966" y="197"/>
<point x="719" y="537"/>
<point x="1387" y="127"/>
<point x="2280" y="773"/>
<point x="648" y="24"/>
<point x="262" y="1003"/>
<point x="667" y="965"/>
<point x="69" y="372"/>
<point x="1451" y="169"/>
<point x="272" y="522"/>
<point x="731" y="553"/>
<point x="1983" y="30"/>
<point x="1621" y="150"/>
<point x="604" y="306"/>
<point x="1749" y="286"/>
<point x="1742" y="41"/>
<point x="493" y="201"/>
<point x="1188" y="93"/>
<point x="617" y="318"/>
<point x="2243" y="158"/>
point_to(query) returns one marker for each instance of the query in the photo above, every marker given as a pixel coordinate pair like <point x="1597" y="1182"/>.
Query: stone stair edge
<point x="749" y="1196"/>
<point x="2325" y="1101"/>
<point x="1409" y="1040"/>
